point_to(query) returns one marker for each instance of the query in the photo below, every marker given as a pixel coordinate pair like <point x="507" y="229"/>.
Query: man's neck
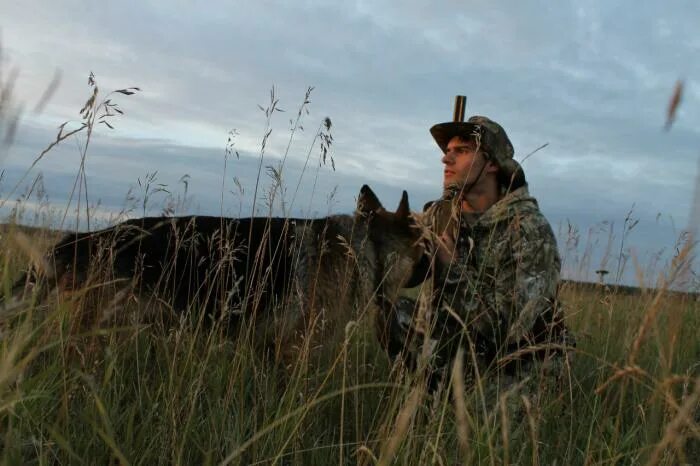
<point x="480" y="198"/>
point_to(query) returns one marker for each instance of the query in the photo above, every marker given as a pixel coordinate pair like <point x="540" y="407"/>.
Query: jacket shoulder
<point x="428" y="205"/>
<point x="533" y="222"/>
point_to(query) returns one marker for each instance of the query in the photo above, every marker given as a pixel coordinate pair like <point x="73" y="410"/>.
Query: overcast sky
<point x="591" y="79"/>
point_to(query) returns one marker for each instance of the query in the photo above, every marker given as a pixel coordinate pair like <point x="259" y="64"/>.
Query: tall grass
<point x="122" y="392"/>
<point x="189" y="395"/>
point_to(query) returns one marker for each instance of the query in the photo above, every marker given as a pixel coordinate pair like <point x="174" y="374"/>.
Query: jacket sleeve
<point x="536" y="267"/>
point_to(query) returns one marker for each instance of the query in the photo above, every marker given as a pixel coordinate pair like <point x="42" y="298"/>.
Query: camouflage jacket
<point x="501" y="286"/>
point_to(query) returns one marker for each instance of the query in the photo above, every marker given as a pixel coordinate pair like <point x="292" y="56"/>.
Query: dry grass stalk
<point x="673" y="104"/>
<point x="502" y="402"/>
<point x="403" y="423"/>
<point x="679" y="264"/>
<point x="692" y="426"/>
<point x="674" y="434"/>
<point x="115" y="304"/>
<point x="35" y="255"/>
<point x="533" y="430"/>
<point x="515" y="355"/>
<point x="649" y="318"/>
<point x="460" y="405"/>
<point x="437" y="458"/>
<point x="620" y="373"/>
<point x="364" y="449"/>
<point x="11" y="362"/>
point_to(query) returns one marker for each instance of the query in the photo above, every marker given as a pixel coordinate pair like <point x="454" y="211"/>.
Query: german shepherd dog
<point x="291" y="278"/>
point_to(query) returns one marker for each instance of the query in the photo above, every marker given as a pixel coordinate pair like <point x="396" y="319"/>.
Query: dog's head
<point x="398" y="242"/>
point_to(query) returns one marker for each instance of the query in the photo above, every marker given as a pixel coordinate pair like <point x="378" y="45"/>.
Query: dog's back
<point x="208" y="262"/>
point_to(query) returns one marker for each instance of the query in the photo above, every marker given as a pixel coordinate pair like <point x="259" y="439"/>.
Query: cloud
<point x="118" y="167"/>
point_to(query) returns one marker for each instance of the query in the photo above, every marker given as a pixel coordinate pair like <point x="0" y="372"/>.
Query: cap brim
<point x="443" y="132"/>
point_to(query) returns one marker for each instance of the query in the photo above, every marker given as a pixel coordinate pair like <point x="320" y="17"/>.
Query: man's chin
<point x="451" y="183"/>
<point x="451" y="189"/>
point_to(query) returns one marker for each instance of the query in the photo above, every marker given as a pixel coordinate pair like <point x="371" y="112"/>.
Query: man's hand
<point x="445" y="249"/>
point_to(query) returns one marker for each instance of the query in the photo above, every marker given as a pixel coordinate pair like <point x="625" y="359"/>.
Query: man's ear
<point x="367" y="201"/>
<point x="491" y="167"/>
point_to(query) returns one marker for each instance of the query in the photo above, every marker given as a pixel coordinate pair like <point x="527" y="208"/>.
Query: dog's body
<point x="289" y="277"/>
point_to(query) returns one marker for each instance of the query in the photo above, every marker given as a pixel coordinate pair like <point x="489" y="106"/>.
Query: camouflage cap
<point x="490" y="135"/>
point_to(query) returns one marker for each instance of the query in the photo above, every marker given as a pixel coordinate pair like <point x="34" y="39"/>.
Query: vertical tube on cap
<point x="460" y="107"/>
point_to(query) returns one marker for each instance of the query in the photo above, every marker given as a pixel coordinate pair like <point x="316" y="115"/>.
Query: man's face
<point x="464" y="164"/>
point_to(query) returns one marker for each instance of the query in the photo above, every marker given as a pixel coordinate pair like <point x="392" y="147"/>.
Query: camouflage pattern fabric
<point x="497" y="298"/>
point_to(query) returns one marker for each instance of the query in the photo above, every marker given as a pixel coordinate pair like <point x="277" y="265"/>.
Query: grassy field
<point x="85" y="382"/>
<point x="116" y="392"/>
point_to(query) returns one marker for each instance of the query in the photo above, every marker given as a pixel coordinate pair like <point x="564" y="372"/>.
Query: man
<point x="495" y="269"/>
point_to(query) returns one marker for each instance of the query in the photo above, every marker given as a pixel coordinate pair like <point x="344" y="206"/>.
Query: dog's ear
<point x="368" y="201"/>
<point x="403" y="211"/>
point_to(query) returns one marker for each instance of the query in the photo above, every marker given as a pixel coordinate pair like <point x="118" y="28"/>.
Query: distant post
<point x="601" y="276"/>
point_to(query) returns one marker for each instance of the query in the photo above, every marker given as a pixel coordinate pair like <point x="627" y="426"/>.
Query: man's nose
<point x="447" y="158"/>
